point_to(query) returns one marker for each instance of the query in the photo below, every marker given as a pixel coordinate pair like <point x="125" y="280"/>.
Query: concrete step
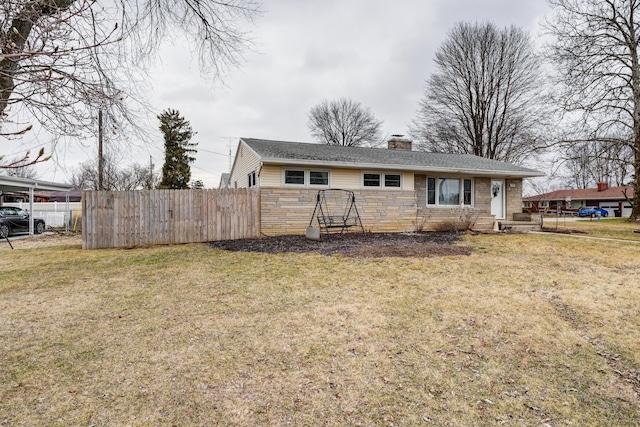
<point x="483" y="223"/>
<point x="519" y="226"/>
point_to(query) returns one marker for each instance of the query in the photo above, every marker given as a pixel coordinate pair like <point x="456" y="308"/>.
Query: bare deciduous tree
<point x="62" y="60"/>
<point x="28" y="171"/>
<point x="116" y="178"/>
<point x="485" y="97"/>
<point x="591" y="162"/>
<point x="577" y="163"/>
<point x="344" y="122"/>
<point x="596" y="54"/>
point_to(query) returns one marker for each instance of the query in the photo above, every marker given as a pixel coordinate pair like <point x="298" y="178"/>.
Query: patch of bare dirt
<point x="428" y="244"/>
<point x="41" y="241"/>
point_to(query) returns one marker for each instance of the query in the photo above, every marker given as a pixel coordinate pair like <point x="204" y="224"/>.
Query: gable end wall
<point x="246" y="161"/>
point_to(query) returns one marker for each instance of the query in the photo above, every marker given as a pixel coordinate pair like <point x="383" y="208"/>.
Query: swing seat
<point x="337" y="221"/>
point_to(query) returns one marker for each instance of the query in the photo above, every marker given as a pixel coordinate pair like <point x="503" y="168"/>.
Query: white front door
<point x="497" y="198"/>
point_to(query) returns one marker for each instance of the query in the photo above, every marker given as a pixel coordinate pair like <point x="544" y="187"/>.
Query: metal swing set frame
<point x="336" y="210"/>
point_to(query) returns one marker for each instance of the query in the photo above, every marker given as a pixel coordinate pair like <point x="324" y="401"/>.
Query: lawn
<point x="527" y="330"/>
<point x="616" y="228"/>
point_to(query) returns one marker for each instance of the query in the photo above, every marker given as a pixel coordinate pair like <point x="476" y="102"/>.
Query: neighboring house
<point x="49" y="196"/>
<point x="19" y="196"/>
<point x="616" y="200"/>
<point x="64" y="196"/>
<point x="396" y="189"/>
<point x="224" y="180"/>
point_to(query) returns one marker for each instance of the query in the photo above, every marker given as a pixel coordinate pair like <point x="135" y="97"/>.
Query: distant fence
<point x="55" y="214"/>
<point x="117" y="219"/>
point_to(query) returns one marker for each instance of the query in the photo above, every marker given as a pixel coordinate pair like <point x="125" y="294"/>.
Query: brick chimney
<point x="602" y="186"/>
<point x="399" y="142"/>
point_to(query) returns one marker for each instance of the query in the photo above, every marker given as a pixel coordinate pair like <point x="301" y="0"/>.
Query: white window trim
<point x="382" y="180"/>
<point x="252" y="179"/>
<point x="437" y="193"/>
<point x="307" y="178"/>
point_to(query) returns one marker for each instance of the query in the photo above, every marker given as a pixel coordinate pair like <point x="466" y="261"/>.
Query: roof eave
<point x="573" y="198"/>
<point x="10" y="183"/>
<point x="395" y="167"/>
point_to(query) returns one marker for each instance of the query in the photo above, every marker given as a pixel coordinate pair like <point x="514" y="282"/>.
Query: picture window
<point x="449" y="192"/>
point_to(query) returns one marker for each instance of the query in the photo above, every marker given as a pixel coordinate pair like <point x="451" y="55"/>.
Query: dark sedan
<point x="16" y="220"/>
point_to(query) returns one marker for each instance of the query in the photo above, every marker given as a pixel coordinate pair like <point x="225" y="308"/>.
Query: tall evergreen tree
<point x="176" y="171"/>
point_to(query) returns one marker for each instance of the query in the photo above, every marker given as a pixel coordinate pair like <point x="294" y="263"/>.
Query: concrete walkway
<point x="585" y="237"/>
<point x="27" y="235"/>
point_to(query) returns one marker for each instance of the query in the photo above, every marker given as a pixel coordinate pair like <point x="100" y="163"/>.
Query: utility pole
<point x="150" y="172"/>
<point x="100" y="157"/>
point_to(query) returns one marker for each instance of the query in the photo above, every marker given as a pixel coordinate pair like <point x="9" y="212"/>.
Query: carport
<point x="12" y="183"/>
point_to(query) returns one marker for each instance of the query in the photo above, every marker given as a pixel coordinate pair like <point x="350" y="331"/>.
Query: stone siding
<point x="514" y="197"/>
<point x="288" y="211"/>
<point x="482" y="194"/>
<point x="420" y="183"/>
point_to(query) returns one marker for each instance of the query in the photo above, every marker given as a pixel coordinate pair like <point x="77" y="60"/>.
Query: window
<point x="431" y="191"/>
<point x="294" y="177"/>
<point x="543" y="203"/>
<point x="318" y="178"/>
<point x="372" y="180"/>
<point x="251" y="177"/>
<point x="382" y="180"/>
<point x="467" y="192"/>
<point x="449" y="191"/>
<point x="526" y="204"/>
<point x="306" y="178"/>
<point x="392" y="180"/>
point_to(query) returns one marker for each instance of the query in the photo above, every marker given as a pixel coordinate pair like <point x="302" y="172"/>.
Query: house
<point x="224" y="181"/>
<point x="21" y="196"/>
<point x="616" y="200"/>
<point x="74" y="196"/>
<point x="396" y="189"/>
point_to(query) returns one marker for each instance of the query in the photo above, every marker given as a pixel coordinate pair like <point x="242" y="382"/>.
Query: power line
<point x="205" y="170"/>
<point x="212" y="152"/>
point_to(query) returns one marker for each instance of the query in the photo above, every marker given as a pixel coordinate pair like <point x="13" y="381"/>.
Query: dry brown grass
<point x="616" y="228"/>
<point x="528" y="330"/>
<point x="41" y="241"/>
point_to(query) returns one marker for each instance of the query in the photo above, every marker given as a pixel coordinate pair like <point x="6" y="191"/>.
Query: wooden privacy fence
<point x="121" y="219"/>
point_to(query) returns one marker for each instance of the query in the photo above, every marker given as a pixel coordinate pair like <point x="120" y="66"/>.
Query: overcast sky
<point x="376" y="52"/>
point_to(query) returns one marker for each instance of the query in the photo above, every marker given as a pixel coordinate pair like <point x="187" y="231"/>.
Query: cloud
<point x="376" y="52"/>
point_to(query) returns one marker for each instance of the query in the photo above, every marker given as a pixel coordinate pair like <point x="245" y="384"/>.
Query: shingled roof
<point x="612" y="193"/>
<point x="299" y="153"/>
